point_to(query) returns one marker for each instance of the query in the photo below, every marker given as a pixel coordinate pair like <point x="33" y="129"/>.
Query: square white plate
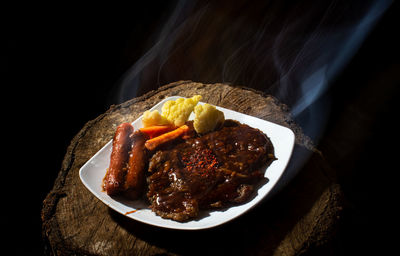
<point x="282" y="138"/>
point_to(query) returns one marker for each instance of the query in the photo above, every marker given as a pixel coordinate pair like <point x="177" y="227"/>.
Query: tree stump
<point x="301" y="216"/>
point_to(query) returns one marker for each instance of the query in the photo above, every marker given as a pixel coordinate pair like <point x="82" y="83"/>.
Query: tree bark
<point x="300" y="217"/>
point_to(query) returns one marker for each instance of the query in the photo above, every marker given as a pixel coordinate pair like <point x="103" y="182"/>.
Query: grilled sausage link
<point x="135" y="178"/>
<point x="114" y="180"/>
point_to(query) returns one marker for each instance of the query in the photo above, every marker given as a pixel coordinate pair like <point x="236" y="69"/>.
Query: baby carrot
<point x="154" y="131"/>
<point x="151" y="144"/>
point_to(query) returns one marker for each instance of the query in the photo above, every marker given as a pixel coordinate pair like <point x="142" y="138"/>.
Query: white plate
<point x="282" y="138"/>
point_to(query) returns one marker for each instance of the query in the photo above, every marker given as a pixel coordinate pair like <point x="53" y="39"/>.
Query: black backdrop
<point x="63" y="63"/>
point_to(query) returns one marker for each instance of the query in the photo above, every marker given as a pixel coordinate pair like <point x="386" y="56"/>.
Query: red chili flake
<point x="202" y="161"/>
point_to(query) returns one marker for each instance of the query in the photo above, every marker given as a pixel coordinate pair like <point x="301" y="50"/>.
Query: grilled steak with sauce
<point x="211" y="171"/>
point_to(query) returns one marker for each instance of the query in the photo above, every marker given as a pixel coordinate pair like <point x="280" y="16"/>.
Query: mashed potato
<point x="177" y="112"/>
<point x="207" y="118"/>
<point x="151" y="118"/>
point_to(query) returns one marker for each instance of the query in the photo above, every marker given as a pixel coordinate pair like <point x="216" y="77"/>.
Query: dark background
<point x="62" y="66"/>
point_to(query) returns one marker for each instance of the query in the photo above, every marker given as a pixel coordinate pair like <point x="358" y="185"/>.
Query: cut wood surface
<point x="300" y="217"/>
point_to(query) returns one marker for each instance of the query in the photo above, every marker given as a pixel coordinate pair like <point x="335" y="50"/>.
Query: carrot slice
<point x="151" y="144"/>
<point x="154" y="131"/>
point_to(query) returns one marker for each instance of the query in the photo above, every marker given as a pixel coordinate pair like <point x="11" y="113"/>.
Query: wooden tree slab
<point x="299" y="218"/>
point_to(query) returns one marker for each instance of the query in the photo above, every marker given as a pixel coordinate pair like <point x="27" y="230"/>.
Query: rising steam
<point x="290" y="50"/>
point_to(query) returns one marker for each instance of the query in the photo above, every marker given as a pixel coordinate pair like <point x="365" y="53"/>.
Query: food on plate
<point x="128" y="163"/>
<point x="211" y="171"/>
<point x="137" y="165"/>
<point x="114" y="179"/>
<point x="181" y="167"/>
<point x="207" y="118"/>
<point x="174" y="112"/>
<point x="152" y="144"/>
<point x="178" y="111"/>
<point x="153" y="118"/>
<point x="154" y="131"/>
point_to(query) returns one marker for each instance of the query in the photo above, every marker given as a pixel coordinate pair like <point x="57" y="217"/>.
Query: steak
<point x="212" y="171"/>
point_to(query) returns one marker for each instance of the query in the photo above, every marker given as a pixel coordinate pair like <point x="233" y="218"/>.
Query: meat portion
<point x="215" y="170"/>
<point x="114" y="180"/>
<point x="128" y="163"/>
<point x="135" y="177"/>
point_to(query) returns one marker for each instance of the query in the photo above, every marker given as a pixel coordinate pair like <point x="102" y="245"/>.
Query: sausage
<point x="135" y="177"/>
<point x="114" y="180"/>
